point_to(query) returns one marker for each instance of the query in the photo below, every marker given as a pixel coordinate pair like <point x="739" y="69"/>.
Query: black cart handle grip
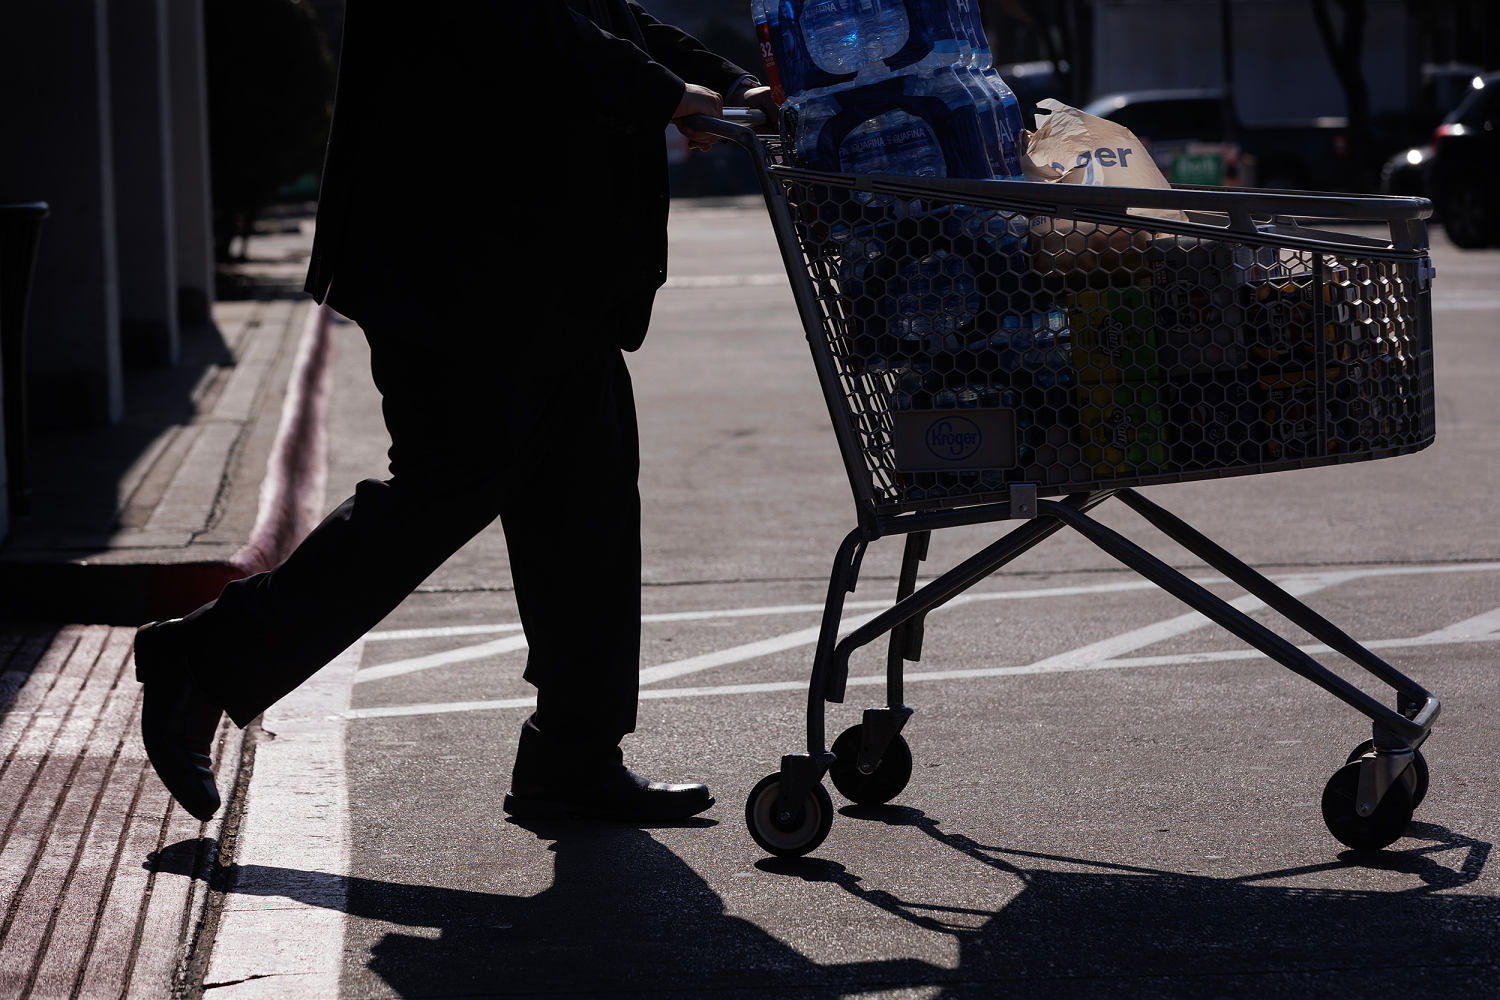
<point x="737" y="124"/>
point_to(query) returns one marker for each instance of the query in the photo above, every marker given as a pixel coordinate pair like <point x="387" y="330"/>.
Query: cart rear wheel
<point x="1381" y="828"/>
<point x="1416" y="776"/>
<point x="878" y="787"/>
<point x="794" y="834"/>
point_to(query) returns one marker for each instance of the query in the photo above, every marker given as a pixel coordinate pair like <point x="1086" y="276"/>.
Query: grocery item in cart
<point x="890" y="86"/>
<point x="1123" y="429"/>
<point x="931" y="289"/>
<point x="913" y="126"/>
<point x="1072" y="147"/>
<point x="853" y="36"/>
<point x="789" y="64"/>
<point x="1114" y="336"/>
<point x="975" y="54"/>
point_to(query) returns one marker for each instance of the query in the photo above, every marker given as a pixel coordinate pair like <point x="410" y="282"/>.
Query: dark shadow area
<point x="1121" y="930"/>
<point x="76" y="471"/>
<point x="625" y="916"/>
<point x="192" y="858"/>
<point x="79" y="475"/>
<point x="267" y="260"/>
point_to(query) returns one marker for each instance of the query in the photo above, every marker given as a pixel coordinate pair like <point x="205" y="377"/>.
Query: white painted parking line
<point x="443" y="632"/>
<point x="1109" y="648"/>
<point x="1065" y="663"/>
<point x="1150" y="635"/>
<point x="914" y="677"/>
<point x="443" y="659"/>
<point x="666" y="671"/>
<point x="1470" y="628"/>
<point x="1298" y="585"/>
<point x="282" y="930"/>
<point x="455" y="631"/>
<point x="726" y="280"/>
<point x="747" y="651"/>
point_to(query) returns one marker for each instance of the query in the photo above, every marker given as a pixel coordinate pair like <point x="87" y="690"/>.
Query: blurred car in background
<point x="1034" y="81"/>
<point x="1186" y="129"/>
<point x="1406" y="172"/>
<point x="1460" y="171"/>
<point x="1196" y="137"/>
<point x="1444" y="87"/>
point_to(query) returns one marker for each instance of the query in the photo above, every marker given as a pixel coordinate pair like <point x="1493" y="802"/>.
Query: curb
<point x="125" y="588"/>
<point x="291" y="495"/>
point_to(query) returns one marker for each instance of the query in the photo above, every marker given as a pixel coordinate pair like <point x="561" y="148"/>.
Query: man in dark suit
<point x="493" y="215"/>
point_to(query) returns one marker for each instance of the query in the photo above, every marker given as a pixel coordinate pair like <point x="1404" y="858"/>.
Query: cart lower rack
<point x="1025" y="352"/>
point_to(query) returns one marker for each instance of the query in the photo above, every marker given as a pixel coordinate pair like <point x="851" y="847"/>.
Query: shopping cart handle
<point x="749" y="117"/>
<point x="737" y="124"/>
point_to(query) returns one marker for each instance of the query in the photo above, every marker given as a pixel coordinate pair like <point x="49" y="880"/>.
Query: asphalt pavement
<point x="1110" y="796"/>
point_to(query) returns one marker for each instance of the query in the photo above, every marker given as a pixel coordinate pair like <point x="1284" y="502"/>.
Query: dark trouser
<point x="544" y="437"/>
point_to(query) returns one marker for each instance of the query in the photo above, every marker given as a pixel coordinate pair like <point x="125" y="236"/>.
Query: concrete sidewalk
<point x="106" y="886"/>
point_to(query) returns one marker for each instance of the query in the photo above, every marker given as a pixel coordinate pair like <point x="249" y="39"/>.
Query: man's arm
<point x="691" y="60"/>
<point x="637" y="91"/>
<point x="686" y="56"/>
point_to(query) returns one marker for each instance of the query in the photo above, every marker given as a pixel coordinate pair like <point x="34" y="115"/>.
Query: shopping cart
<point x="996" y="351"/>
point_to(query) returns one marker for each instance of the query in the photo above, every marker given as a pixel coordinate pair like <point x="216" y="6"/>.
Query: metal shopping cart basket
<point x="1023" y="352"/>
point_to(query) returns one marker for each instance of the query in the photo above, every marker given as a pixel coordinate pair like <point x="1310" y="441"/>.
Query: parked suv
<point x="1461" y="173"/>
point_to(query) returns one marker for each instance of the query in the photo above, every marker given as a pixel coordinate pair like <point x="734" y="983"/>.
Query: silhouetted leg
<point x="454" y="441"/>
<point x="575" y="552"/>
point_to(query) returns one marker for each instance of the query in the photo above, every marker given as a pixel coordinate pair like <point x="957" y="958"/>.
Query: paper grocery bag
<point x="1071" y="147"/>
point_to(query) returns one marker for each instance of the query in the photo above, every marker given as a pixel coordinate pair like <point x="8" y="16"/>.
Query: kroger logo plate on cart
<point x="934" y="440"/>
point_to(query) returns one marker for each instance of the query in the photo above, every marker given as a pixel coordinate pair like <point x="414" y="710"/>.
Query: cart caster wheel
<point x="1381" y="828"/>
<point x="788" y="836"/>
<point x="1415" y="776"/>
<point x="880" y="785"/>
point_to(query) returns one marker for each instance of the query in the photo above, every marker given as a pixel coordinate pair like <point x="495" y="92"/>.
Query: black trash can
<point x="20" y="235"/>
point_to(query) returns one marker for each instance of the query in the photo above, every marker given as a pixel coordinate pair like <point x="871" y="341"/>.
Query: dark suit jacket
<point x="512" y="151"/>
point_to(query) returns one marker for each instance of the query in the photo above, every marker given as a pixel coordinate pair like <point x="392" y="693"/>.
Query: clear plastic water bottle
<point x="827" y="54"/>
<point x="853" y="36"/>
<point x="942" y="56"/>
<point x="805" y="126"/>
<point x="801" y="76"/>
<point x="938" y="51"/>
<point x="893" y="142"/>
<point x="978" y="58"/>
<point x="1060" y="352"/>
<point x="965" y="118"/>
<point x="886" y="86"/>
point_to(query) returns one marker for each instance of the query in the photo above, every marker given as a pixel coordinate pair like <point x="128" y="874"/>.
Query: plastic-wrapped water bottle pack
<point x="890" y="87"/>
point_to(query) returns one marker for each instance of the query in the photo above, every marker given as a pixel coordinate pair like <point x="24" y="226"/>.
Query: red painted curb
<point x="291" y="495"/>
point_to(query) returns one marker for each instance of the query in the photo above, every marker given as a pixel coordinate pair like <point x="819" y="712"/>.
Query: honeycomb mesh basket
<point x="980" y="341"/>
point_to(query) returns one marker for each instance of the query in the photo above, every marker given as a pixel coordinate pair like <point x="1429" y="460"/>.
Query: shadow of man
<point x="623" y="916"/>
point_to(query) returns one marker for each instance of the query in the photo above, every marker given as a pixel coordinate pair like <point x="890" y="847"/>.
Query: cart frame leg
<point x="1394" y="731"/>
<point x="906" y="638"/>
<point x="941" y="590"/>
<point x="800" y="771"/>
<point x="1411" y="697"/>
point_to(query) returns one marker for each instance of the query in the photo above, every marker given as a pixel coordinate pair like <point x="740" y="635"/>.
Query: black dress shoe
<point x="178" y="723"/>
<point x="622" y="795"/>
